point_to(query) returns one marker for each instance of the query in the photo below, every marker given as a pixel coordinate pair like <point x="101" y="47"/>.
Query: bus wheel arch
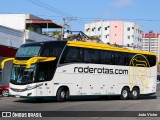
<point x="62" y="93"/>
<point x="135" y="92"/>
<point x="125" y="93"/>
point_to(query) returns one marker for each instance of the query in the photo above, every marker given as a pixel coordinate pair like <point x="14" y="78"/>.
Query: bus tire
<point x="5" y="93"/>
<point x="61" y="95"/>
<point x="134" y="93"/>
<point x="125" y="93"/>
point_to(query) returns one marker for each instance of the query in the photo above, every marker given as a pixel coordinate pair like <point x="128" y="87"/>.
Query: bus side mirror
<point x="6" y="60"/>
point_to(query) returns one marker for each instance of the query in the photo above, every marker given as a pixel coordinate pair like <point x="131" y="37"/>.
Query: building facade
<point x="31" y="26"/>
<point x="116" y="32"/>
<point x="151" y="43"/>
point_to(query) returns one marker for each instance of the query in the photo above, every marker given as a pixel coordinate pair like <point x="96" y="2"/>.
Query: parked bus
<point x="66" y="68"/>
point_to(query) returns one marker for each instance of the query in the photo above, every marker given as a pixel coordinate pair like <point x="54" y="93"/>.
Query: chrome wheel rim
<point x="134" y="93"/>
<point x="63" y="94"/>
<point x="5" y="93"/>
<point x="125" y="93"/>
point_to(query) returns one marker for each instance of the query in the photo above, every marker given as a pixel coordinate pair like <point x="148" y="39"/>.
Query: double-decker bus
<point x="66" y="68"/>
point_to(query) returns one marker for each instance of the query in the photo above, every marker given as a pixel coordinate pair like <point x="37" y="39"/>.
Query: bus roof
<point x="93" y="46"/>
<point x="106" y="47"/>
<point x="41" y="43"/>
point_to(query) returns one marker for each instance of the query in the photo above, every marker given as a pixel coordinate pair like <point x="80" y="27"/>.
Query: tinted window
<point x="52" y="50"/>
<point x="119" y="58"/>
<point x="28" y="51"/>
<point x="129" y="59"/>
<point x="45" y="71"/>
<point x="151" y="60"/>
<point x="71" y="54"/>
<point x="91" y="56"/>
<point x="105" y="57"/>
<point x="75" y="54"/>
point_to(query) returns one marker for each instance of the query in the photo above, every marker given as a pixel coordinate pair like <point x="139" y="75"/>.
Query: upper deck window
<point x="52" y="50"/>
<point x="28" y="51"/>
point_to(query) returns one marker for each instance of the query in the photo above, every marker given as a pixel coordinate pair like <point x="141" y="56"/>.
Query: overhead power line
<point x="91" y="18"/>
<point x="43" y="5"/>
<point x="53" y="9"/>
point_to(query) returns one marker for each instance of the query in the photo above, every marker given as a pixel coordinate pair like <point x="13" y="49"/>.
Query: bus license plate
<point x="17" y="96"/>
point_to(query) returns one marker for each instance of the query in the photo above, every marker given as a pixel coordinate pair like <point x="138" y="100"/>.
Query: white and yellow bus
<point x="65" y="68"/>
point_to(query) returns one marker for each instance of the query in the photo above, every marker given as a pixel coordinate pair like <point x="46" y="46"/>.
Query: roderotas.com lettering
<point x="102" y="70"/>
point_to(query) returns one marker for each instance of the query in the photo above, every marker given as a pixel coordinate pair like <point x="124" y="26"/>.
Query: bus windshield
<point x="28" y="51"/>
<point x="22" y="75"/>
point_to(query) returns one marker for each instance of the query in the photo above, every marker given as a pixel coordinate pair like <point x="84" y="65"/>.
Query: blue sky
<point x="143" y="12"/>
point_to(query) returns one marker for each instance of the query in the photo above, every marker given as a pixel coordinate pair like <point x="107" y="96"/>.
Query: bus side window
<point x="105" y="57"/>
<point x="55" y="51"/>
<point x="91" y="56"/>
<point x="71" y="54"/>
<point x="43" y="72"/>
<point x="41" y="76"/>
<point x="119" y="58"/>
<point x="126" y="59"/>
<point x="45" y="52"/>
<point x="151" y="59"/>
<point x="116" y="58"/>
<point x="52" y="50"/>
<point x="112" y="58"/>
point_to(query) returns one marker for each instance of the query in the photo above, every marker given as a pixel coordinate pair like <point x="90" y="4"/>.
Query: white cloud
<point x="122" y="3"/>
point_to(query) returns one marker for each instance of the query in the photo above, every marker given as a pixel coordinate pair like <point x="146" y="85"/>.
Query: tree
<point x="31" y="28"/>
<point x="56" y="33"/>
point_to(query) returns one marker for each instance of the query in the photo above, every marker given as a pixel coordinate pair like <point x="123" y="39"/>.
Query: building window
<point x="140" y="40"/>
<point x="128" y="29"/>
<point x="115" y="34"/>
<point x="93" y="29"/>
<point x="115" y="26"/>
<point x="132" y="36"/>
<point x="99" y="28"/>
<point x="128" y="37"/>
<point x="106" y="36"/>
<point x="132" y="28"/>
<point x="87" y="30"/>
<point x="105" y="28"/>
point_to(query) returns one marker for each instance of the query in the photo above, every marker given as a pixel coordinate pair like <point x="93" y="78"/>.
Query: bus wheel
<point x="5" y="93"/>
<point x="134" y="93"/>
<point x="61" y="95"/>
<point x="125" y="93"/>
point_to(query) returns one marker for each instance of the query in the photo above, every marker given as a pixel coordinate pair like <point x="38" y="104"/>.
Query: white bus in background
<point x="65" y="68"/>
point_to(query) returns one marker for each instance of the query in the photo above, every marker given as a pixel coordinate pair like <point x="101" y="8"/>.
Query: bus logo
<point x="139" y="72"/>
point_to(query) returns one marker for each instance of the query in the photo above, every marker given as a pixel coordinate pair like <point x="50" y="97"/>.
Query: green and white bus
<point x="65" y="68"/>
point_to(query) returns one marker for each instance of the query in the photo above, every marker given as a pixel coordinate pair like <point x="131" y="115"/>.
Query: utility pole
<point x="64" y="24"/>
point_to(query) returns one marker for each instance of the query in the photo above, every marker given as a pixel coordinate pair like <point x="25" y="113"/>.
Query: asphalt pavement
<point x="92" y="105"/>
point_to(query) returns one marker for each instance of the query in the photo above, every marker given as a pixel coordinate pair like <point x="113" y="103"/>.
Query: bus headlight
<point x="30" y="87"/>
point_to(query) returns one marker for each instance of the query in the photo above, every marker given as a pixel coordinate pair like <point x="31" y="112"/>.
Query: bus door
<point x="44" y="80"/>
<point x="41" y="84"/>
